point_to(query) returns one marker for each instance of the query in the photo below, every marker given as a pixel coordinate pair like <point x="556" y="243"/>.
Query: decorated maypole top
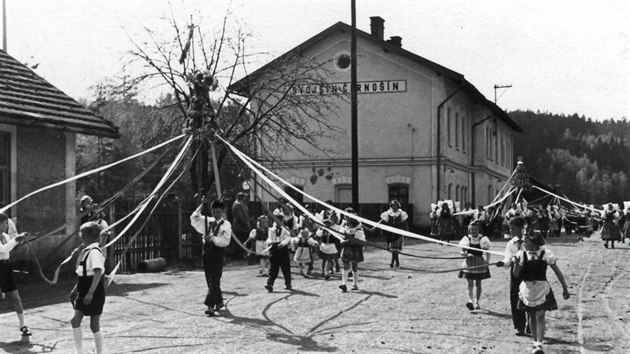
<point x="201" y="113"/>
<point x="520" y="179"/>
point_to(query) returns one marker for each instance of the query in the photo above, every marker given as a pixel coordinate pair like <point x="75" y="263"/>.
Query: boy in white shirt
<point x="88" y="295"/>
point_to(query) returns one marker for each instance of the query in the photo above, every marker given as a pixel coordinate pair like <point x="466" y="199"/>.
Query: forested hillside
<point x="588" y="159"/>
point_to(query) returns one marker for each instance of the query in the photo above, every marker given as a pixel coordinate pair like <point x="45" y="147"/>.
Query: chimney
<point x="376" y="26"/>
<point x="395" y="40"/>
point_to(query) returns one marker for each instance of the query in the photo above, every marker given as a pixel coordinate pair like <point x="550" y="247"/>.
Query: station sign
<point x="340" y="88"/>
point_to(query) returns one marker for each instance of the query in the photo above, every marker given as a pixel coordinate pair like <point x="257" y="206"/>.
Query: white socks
<point x="21" y="319"/>
<point x="77" y="333"/>
<point x="355" y="278"/>
<point x="344" y="276"/>
<point x="98" y="341"/>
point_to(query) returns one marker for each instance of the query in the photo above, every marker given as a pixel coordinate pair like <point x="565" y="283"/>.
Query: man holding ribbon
<point x="216" y="233"/>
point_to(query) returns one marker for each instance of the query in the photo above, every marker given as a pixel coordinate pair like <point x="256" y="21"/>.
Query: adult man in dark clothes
<point x="517" y="229"/>
<point x="240" y="223"/>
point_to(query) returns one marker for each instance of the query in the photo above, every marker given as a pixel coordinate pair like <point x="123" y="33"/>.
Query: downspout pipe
<point x="439" y="138"/>
<point x="472" y="157"/>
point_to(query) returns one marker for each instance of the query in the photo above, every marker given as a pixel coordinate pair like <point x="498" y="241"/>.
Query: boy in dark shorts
<point x="88" y="295"/>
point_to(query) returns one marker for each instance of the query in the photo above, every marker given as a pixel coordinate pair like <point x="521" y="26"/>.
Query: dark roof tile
<point x="27" y="99"/>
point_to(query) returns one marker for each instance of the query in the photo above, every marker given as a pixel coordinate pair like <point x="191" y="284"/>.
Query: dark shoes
<point x="288" y="287"/>
<point x="354" y="287"/>
<point x="343" y="288"/>
<point x="470" y="306"/>
<point x="269" y="288"/>
<point x="25" y="331"/>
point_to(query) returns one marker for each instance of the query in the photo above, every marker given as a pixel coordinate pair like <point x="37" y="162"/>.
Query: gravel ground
<point x="414" y="309"/>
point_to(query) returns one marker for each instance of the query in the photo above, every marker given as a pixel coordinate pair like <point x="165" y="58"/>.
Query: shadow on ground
<point x="40" y="294"/>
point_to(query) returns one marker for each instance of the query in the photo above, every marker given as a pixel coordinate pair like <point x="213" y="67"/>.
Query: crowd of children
<point x="333" y="239"/>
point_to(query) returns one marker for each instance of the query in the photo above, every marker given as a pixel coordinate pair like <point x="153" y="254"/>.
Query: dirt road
<point x="415" y="309"/>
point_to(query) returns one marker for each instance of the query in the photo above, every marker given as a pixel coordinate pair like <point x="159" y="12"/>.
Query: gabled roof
<point x="26" y="99"/>
<point x="242" y="86"/>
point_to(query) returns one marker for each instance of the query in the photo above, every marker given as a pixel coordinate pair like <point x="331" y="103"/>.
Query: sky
<point x="562" y="57"/>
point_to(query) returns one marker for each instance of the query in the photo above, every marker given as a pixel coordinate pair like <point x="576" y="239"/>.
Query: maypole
<point x="520" y="179"/>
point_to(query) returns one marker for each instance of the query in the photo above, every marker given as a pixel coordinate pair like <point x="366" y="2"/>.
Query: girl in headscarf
<point x="610" y="230"/>
<point x="446" y="224"/>
<point x="397" y="218"/>
<point x="475" y="266"/>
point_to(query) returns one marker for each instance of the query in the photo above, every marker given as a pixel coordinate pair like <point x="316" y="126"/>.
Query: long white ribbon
<point x="504" y="185"/>
<point x="569" y="201"/>
<point x="87" y="173"/>
<point x="167" y="175"/>
<point x="489" y="205"/>
<point x="250" y="162"/>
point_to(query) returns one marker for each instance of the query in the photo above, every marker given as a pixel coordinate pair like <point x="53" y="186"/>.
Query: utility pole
<point x="354" y="113"/>
<point x="4" y="25"/>
<point x="498" y="87"/>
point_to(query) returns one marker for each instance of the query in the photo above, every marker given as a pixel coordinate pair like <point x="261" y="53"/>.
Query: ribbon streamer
<point x="167" y="175"/>
<point x="112" y="274"/>
<point x="569" y="201"/>
<point x="87" y="173"/>
<point x="250" y="162"/>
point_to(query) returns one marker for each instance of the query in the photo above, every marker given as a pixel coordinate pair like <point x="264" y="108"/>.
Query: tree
<point x="263" y="127"/>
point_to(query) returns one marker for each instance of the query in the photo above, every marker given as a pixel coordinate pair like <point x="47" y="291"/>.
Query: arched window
<point x="448" y="126"/>
<point x="464" y="195"/>
<point x="298" y="197"/>
<point x="457" y="194"/>
<point x="343" y="193"/>
<point x="400" y="192"/>
<point x="457" y="130"/>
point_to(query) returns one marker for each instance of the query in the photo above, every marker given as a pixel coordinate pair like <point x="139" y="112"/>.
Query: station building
<point x="425" y="132"/>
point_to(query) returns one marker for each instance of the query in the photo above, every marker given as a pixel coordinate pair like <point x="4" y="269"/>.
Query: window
<point x="464" y="133"/>
<point x="509" y="156"/>
<point x="487" y="141"/>
<point x="343" y="193"/>
<point x="465" y="195"/>
<point x="448" y="126"/>
<point x="400" y="193"/>
<point x="342" y="61"/>
<point x="5" y="168"/>
<point x="450" y="191"/>
<point x="298" y="197"/>
<point x="457" y="193"/>
<point x="502" y="151"/>
<point x="496" y="146"/>
<point x="457" y="130"/>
